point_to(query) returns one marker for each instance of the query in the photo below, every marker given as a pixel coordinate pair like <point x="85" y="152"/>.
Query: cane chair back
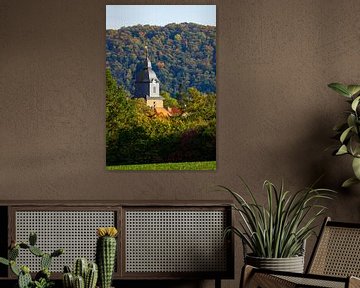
<point x="337" y="252"/>
<point x="335" y="262"/>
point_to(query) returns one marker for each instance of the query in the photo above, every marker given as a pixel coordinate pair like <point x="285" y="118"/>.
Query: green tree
<point x="116" y="103"/>
<point x="168" y="100"/>
<point x="134" y="134"/>
<point x="200" y="105"/>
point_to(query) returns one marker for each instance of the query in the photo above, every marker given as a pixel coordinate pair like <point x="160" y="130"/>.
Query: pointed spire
<point x="147" y="61"/>
<point x="146" y="52"/>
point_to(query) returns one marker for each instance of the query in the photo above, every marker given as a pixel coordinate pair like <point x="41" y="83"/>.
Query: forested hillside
<point x="182" y="55"/>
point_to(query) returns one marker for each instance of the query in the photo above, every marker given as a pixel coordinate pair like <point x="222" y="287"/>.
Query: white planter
<point x="291" y="264"/>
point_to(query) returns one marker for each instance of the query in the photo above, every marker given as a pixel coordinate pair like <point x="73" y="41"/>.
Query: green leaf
<point x="351" y="120"/>
<point x="355" y="103"/>
<point x="349" y="182"/>
<point x="36" y="251"/>
<point x="340" y="88"/>
<point x="354" y="145"/>
<point x="353" y="89"/>
<point x="342" y="150"/>
<point x="4" y="261"/>
<point x="345" y="134"/>
<point x="14" y="268"/>
<point x="13" y="253"/>
<point x="356" y="167"/>
<point x="45" y="261"/>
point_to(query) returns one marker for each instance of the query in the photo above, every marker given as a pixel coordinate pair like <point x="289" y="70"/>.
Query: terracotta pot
<point x="291" y="264"/>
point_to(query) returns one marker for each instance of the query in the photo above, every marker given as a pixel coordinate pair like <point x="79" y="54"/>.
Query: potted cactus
<point x="106" y="254"/>
<point x="85" y="275"/>
<point x="42" y="278"/>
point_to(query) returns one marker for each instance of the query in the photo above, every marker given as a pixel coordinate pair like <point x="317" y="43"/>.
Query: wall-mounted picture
<point x="160" y="87"/>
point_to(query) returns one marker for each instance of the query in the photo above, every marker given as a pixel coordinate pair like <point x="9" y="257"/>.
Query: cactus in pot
<point x="91" y="276"/>
<point x="106" y="254"/>
<point x="81" y="267"/>
<point x="85" y="275"/>
<point x="25" y="279"/>
<point x="68" y="278"/>
<point x="79" y="282"/>
<point x="42" y="278"/>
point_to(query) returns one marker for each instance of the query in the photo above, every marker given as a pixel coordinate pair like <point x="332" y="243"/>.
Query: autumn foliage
<point x="183" y="55"/>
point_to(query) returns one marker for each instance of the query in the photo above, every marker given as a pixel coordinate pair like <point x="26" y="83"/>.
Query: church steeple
<point x="147" y="60"/>
<point x="147" y="85"/>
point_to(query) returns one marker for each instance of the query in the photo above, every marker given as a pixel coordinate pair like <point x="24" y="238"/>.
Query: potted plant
<point x="106" y="254"/>
<point x="348" y="132"/>
<point x="276" y="233"/>
<point x="42" y="278"/>
<point x="84" y="274"/>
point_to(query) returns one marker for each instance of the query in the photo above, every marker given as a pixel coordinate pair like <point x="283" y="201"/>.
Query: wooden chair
<point x="334" y="263"/>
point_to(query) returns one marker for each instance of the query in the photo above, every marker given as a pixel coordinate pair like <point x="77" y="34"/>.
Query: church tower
<point x="147" y="85"/>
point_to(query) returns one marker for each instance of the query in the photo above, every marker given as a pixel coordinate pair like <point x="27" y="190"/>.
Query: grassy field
<point x="206" y="165"/>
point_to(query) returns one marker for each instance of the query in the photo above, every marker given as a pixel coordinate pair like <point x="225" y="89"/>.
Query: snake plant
<point x="279" y="228"/>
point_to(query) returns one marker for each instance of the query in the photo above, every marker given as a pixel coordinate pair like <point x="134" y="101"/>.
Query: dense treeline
<point x="136" y="135"/>
<point x="182" y="55"/>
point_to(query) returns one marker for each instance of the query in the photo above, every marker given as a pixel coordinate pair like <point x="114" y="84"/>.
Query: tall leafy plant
<point x="279" y="229"/>
<point x="348" y="132"/>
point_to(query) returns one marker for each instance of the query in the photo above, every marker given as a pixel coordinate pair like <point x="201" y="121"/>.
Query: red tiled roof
<point x="162" y="112"/>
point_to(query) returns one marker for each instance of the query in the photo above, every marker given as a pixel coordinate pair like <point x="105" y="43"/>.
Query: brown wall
<point x="275" y="113"/>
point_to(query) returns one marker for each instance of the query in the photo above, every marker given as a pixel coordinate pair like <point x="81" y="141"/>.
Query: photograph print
<point x="160" y="87"/>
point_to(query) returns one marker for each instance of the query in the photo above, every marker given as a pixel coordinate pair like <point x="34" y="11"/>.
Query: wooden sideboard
<point x="157" y="240"/>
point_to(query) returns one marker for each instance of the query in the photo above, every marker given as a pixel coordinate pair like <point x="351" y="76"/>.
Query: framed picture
<point x="161" y="87"/>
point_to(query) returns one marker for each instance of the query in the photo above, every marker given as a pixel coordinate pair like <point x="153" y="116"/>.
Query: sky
<point x="118" y="16"/>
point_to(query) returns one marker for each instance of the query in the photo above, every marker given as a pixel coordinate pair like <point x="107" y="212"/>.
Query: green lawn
<point x="205" y="165"/>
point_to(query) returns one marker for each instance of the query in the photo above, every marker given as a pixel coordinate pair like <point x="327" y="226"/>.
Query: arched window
<point x="154" y="89"/>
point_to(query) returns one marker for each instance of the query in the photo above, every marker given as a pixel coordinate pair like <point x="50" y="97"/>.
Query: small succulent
<point x="42" y="283"/>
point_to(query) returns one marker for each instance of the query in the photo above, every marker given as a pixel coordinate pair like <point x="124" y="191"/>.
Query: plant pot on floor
<point x="290" y="264"/>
